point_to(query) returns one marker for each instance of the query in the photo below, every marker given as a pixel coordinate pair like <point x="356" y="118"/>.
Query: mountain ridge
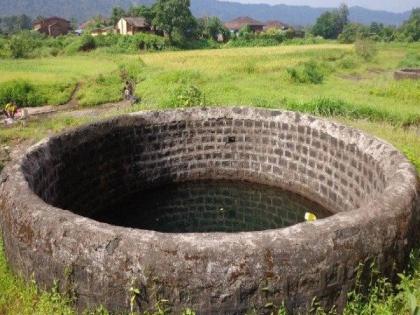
<point x="291" y="14"/>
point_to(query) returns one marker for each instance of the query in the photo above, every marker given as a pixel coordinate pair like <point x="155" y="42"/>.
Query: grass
<point x="259" y="77"/>
<point x="355" y="92"/>
<point x="240" y="76"/>
<point x="20" y="298"/>
<point x="56" y="78"/>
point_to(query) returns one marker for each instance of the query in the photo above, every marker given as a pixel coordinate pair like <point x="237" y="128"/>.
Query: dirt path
<point x="73" y="108"/>
<point x="48" y="109"/>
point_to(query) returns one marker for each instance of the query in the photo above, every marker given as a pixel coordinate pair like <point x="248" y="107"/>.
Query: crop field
<point x="330" y="80"/>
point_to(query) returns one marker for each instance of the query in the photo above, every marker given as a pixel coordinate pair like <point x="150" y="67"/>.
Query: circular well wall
<point x="368" y="184"/>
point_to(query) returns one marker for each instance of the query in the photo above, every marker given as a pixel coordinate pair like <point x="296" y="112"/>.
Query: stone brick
<point x="370" y="185"/>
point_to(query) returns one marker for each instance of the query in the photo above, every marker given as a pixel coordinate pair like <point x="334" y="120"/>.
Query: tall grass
<point x="20" y="298"/>
<point x="329" y="107"/>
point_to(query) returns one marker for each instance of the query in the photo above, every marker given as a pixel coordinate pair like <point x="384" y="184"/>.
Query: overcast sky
<point x="388" y="5"/>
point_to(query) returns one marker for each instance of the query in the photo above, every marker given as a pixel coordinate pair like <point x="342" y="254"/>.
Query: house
<point x="275" y="25"/>
<point x="235" y="25"/>
<point x="133" y="25"/>
<point x="52" y="26"/>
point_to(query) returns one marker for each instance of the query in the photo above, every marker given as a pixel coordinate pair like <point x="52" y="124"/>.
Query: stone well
<point x="413" y="74"/>
<point x="47" y="192"/>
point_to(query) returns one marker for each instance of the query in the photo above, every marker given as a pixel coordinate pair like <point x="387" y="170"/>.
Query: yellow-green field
<point x="355" y="92"/>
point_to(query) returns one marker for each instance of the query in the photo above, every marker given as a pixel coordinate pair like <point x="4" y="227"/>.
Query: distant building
<point x="235" y="25"/>
<point x="275" y="25"/>
<point x="133" y="25"/>
<point x="52" y="26"/>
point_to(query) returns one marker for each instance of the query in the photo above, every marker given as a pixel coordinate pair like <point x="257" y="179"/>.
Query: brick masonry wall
<point x="288" y="154"/>
<point x="368" y="183"/>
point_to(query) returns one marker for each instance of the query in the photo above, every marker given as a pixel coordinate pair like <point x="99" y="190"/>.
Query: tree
<point x="212" y="27"/>
<point x="343" y="13"/>
<point x="14" y="24"/>
<point x="174" y="16"/>
<point x="410" y="30"/>
<point x="331" y="23"/>
<point x="142" y="11"/>
<point x="352" y="32"/>
<point x="117" y="14"/>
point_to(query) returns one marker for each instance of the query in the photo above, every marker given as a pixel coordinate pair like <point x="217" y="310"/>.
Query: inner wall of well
<point x="86" y="170"/>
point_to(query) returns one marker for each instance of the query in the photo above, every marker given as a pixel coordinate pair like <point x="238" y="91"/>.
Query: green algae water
<point x="210" y="206"/>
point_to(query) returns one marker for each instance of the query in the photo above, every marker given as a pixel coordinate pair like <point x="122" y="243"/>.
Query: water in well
<point x="211" y="206"/>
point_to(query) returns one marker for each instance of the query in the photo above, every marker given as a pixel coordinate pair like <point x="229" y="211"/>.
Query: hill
<point x="295" y="15"/>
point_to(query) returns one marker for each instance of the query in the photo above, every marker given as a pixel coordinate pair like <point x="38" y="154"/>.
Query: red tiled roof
<point x="51" y="19"/>
<point x="240" y="22"/>
<point x="275" y="24"/>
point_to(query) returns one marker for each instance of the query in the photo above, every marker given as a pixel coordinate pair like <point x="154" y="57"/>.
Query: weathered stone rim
<point x="387" y="200"/>
<point x="393" y="207"/>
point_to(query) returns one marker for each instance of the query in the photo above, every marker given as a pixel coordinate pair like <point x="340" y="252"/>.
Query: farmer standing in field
<point x="129" y="92"/>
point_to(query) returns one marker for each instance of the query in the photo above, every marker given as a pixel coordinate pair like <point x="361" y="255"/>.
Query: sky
<point x="387" y="5"/>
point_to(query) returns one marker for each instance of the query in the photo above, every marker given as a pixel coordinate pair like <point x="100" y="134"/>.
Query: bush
<point x="247" y="38"/>
<point x="348" y="62"/>
<point x="411" y="60"/>
<point x="309" y="72"/>
<point x="366" y="49"/>
<point x="352" y="32"/>
<point x="87" y="43"/>
<point x="187" y="96"/>
<point x="22" y="45"/>
<point x="127" y="44"/>
<point x="21" y="93"/>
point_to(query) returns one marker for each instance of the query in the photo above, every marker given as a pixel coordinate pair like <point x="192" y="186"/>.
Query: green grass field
<point x="353" y="91"/>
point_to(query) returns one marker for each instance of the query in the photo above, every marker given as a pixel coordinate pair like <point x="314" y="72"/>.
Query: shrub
<point x="352" y="32"/>
<point x="21" y="93"/>
<point x="246" y="38"/>
<point x="87" y="43"/>
<point x="348" y="62"/>
<point x="309" y="72"/>
<point x="187" y="96"/>
<point x="22" y="45"/>
<point x="366" y="49"/>
<point x="411" y="60"/>
<point x="127" y="44"/>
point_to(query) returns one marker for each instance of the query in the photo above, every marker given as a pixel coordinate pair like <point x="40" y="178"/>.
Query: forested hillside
<point x="295" y="15"/>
